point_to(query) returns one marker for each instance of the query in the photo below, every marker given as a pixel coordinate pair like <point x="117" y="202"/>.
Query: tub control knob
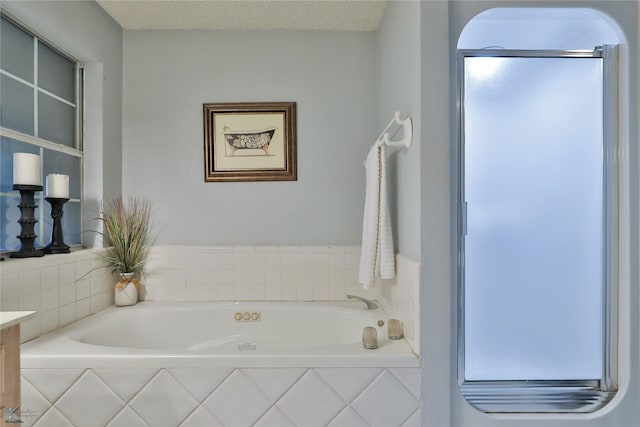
<point x="238" y="316"/>
<point x="246" y="316"/>
<point x="370" y="338"/>
<point x="255" y="316"/>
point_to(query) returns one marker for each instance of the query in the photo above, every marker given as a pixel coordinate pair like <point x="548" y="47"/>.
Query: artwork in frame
<point x="253" y="141"/>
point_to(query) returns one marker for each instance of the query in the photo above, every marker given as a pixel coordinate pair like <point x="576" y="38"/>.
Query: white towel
<point x="377" y="254"/>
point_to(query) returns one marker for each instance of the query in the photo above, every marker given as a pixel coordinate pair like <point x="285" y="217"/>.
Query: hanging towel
<point x="377" y="254"/>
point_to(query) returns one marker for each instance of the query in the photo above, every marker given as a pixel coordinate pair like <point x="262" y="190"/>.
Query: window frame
<point x="40" y="143"/>
<point x="551" y="396"/>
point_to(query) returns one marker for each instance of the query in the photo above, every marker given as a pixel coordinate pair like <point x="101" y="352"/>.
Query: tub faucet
<point x="370" y="304"/>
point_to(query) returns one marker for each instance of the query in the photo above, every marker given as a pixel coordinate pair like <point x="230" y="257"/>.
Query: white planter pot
<point x="126" y="294"/>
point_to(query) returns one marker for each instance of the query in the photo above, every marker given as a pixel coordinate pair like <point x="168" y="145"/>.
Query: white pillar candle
<point x="26" y="169"/>
<point x="57" y="186"/>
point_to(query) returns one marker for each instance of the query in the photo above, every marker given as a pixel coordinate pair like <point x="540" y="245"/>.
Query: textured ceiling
<point x="343" y="15"/>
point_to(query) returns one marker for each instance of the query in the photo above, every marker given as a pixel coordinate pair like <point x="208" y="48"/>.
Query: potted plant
<point x="126" y="236"/>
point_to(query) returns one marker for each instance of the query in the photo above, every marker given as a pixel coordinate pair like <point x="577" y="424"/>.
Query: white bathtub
<point x="164" y="335"/>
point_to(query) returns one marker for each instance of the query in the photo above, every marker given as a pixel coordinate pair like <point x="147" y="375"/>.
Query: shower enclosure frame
<point x="550" y="396"/>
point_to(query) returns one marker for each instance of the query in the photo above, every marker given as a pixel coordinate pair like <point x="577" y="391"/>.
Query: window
<point x="538" y="230"/>
<point x="40" y="112"/>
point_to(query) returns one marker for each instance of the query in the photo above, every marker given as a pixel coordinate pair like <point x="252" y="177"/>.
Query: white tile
<point x="49" y="299"/>
<point x="348" y="382"/>
<point x="49" y="320"/>
<point x="126" y="382"/>
<point x="89" y="402"/>
<point x="51" y="383"/>
<point x="67" y="273"/>
<point x="272" y="261"/>
<point x="289" y="261"/>
<point x="414" y="421"/>
<point x="67" y="293"/>
<point x="274" y="382"/>
<point x="348" y="418"/>
<point x="163" y="402"/>
<point x="274" y="418"/>
<point x="311" y="402"/>
<point x="28" y="282"/>
<point x="33" y="403"/>
<point x="83" y="308"/>
<point x="200" y="382"/>
<point x="49" y="277"/>
<point x="410" y="378"/>
<point x="29" y="301"/>
<point x="83" y="269"/>
<point x="194" y="292"/>
<point x="320" y="261"/>
<point x="228" y="403"/>
<point x="288" y="249"/>
<point x="305" y="261"/>
<point x="257" y="277"/>
<point x="53" y="418"/>
<point x="127" y="418"/>
<point x="83" y="289"/>
<point x="9" y="304"/>
<point x="385" y="402"/>
<point x="201" y="418"/>
<point x="311" y="249"/>
<point x="266" y="249"/>
<point x="9" y="285"/>
<point x="67" y="314"/>
<point x="240" y="277"/>
<point x="30" y="329"/>
<point x="336" y="261"/>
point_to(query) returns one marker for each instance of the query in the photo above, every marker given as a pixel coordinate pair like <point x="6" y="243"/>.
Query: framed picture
<point x="250" y="142"/>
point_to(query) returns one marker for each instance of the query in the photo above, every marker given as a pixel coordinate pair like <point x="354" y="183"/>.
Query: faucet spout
<point x="370" y="304"/>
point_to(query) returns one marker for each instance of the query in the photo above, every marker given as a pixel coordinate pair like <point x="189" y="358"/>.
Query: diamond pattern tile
<point x="163" y="402"/>
<point x="348" y="418"/>
<point x="127" y="418"/>
<point x="311" y="401"/>
<point x="51" y="383"/>
<point x="34" y="404"/>
<point x="414" y="420"/>
<point x="261" y="397"/>
<point x="348" y="382"/>
<point x="229" y="403"/>
<point x="385" y="402"/>
<point x="89" y="402"/>
<point x="200" y="382"/>
<point x="410" y="378"/>
<point x="201" y="418"/>
<point x="274" y="382"/>
<point x="125" y="382"/>
<point x="274" y="418"/>
<point x="53" y="418"/>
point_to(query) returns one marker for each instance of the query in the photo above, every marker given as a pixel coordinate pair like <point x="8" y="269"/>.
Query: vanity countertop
<point x="10" y="318"/>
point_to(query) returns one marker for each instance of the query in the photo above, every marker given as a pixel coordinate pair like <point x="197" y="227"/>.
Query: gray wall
<point x="398" y="89"/>
<point x="168" y="75"/>
<point x="89" y="34"/>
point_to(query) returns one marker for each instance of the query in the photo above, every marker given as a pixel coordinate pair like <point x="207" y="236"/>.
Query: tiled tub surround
<point x="278" y="273"/>
<point x="209" y="397"/>
<point x="70" y="383"/>
<point x="60" y="288"/>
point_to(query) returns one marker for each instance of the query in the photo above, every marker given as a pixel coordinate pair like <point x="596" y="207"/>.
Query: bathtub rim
<point x="57" y="350"/>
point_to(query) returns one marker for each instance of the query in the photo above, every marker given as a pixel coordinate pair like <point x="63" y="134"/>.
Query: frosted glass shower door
<point x="533" y="263"/>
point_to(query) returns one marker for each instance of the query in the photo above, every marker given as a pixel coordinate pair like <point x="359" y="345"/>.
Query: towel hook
<point x="407" y="126"/>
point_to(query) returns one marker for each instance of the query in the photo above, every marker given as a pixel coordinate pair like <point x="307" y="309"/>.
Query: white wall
<point x="170" y="74"/>
<point x="398" y="89"/>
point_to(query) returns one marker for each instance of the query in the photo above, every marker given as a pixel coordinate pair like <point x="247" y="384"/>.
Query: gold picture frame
<point x="252" y="141"/>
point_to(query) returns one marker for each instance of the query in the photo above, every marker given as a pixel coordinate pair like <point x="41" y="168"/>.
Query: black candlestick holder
<point x="27" y="221"/>
<point x="57" y="245"/>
